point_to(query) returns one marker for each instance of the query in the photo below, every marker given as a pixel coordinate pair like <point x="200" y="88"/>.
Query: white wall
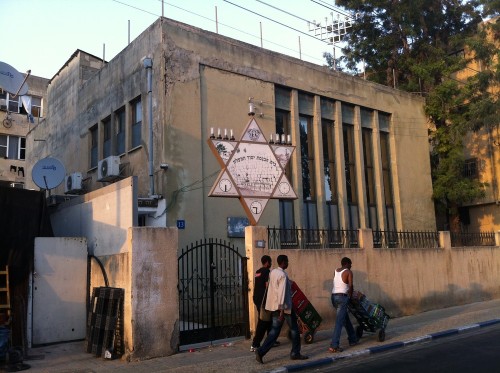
<point x="102" y="216"/>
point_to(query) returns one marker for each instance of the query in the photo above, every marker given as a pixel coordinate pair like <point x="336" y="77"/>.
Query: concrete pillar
<point x="365" y="237"/>
<point x="256" y="245"/>
<point x="444" y="240"/>
<point x="497" y="238"/>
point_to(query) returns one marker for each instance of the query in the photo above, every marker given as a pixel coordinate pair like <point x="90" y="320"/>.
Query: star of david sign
<point x="253" y="170"/>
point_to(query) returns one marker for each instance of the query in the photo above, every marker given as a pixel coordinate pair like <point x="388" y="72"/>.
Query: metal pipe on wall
<point x="148" y="64"/>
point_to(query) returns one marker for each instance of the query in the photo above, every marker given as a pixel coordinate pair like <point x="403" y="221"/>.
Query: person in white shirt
<point x="341" y="293"/>
<point x="279" y="302"/>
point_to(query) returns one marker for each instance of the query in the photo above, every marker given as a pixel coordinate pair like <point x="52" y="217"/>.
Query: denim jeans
<point x="273" y="334"/>
<point x="342" y="320"/>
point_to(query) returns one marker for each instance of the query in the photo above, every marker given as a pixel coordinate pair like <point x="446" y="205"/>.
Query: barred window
<point x="471" y="168"/>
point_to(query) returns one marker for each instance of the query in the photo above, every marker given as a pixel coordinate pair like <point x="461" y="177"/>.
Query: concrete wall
<point x="102" y="216"/>
<point x="151" y="306"/>
<point x="404" y="281"/>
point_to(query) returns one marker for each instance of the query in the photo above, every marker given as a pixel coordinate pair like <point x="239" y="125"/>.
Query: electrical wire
<point x="284" y="11"/>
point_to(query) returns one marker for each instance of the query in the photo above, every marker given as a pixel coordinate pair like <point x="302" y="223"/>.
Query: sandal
<point x="335" y="349"/>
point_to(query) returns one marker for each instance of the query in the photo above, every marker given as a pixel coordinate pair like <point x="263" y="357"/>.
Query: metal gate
<point x="213" y="292"/>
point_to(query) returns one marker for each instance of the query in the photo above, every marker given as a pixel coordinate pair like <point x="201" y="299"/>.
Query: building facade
<point x="482" y="157"/>
<point x="18" y="114"/>
<point x="361" y="158"/>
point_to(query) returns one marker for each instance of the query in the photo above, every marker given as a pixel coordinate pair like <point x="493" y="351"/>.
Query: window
<point x="4" y="146"/>
<point x="350" y="165"/>
<point x="371" y="199"/>
<point x="471" y="168"/>
<point x="136" y="122"/>
<point x="13" y="103"/>
<point x="285" y="205"/>
<point x="308" y="174"/>
<point x="106" y="131"/>
<point x="384" y="120"/>
<point x="120" y="131"/>
<point x="93" y="146"/>
<point x="12" y="147"/>
<point x="331" y="193"/>
<point x="36" y="106"/>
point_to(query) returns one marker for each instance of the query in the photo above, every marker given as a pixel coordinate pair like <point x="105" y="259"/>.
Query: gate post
<point x="254" y="236"/>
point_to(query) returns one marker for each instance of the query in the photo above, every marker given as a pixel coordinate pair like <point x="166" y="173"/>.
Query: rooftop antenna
<point x="334" y="27"/>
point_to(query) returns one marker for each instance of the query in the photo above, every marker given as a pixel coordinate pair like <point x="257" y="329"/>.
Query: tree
<point x="419" y="46"/>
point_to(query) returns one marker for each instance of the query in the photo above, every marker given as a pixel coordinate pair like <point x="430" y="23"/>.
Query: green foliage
<point x="419" y="46"/>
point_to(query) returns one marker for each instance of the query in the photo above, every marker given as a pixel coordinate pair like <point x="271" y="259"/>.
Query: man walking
<point x="279" y="302"/>
<point x="341" y="293"/>
<point x="260" y="284"/>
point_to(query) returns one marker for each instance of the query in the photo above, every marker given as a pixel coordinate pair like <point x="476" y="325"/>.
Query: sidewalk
<point x="235" y="356"/>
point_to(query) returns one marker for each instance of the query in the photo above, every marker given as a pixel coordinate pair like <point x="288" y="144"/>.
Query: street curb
<point x="383" y="348"/>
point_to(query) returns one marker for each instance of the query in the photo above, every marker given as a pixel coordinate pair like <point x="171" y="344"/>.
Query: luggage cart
<point x="308" y="318"/>
<point x="370" y="316"/>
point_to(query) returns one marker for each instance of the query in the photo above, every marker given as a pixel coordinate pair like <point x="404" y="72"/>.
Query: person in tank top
<point x="341" y="293"/>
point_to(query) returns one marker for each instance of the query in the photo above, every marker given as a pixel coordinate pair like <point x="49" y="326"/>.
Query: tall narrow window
<point x="331" y="192"/>
<point x="22" y="148"/>
<point x="369" y="171"/>
<point x="36" y="107"/>
<point x="4" y="146"/>
<point x="120" y="131"/>
<point x="307" y="162"/>
<point x="285" y="205"/>
<point x="384" y="120"/>
<point x="136" y="122"/>
<point x="371" y="199"/>
<point x="106" y="145"/>
<point x="93" y="146"/>
<point x="350" y="165"/>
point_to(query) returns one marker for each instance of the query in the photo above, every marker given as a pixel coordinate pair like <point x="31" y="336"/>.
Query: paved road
<point x="474" y="352"/>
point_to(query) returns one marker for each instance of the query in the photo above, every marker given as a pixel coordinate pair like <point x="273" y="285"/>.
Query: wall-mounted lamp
<point x="251" y="109"/>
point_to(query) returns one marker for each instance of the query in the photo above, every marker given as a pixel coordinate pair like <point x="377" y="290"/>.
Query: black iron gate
<point x="213" y="292"/>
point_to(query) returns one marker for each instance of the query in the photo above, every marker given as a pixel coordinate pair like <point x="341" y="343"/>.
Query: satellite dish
<point x="12" y="80"/>
<point x="48" y="173"/>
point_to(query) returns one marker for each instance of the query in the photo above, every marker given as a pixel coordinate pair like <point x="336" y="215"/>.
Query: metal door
<point x="213" y="292"/>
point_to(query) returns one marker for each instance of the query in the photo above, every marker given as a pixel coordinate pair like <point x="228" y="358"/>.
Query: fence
<point x="472" y="239"/>
<point x="405" y="239"/>
<point x="298" y="238"/>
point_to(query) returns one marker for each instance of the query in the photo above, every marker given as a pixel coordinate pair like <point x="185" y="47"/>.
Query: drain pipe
<point x="148" y="65"/>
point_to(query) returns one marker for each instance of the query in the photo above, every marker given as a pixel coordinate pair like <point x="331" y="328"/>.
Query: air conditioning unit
<point x="108" y="168"/>
<point x="17" y="185"/>
<point x="3" y="104"/>
<point x="73" y="183"/>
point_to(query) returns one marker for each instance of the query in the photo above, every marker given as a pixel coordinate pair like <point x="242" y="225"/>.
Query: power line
<point x="284" y="11"/>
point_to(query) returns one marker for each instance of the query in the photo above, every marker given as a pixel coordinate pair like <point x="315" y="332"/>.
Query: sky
<point x="41" y="35"/>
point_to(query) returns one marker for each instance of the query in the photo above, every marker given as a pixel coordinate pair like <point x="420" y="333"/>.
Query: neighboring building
<point x="482" y="162"/>
<point x="361" y="159"/>
<point x="15" y="123"/>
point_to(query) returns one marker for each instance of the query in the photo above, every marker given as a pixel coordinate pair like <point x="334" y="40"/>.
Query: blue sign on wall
<point x="181" y="224"/>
